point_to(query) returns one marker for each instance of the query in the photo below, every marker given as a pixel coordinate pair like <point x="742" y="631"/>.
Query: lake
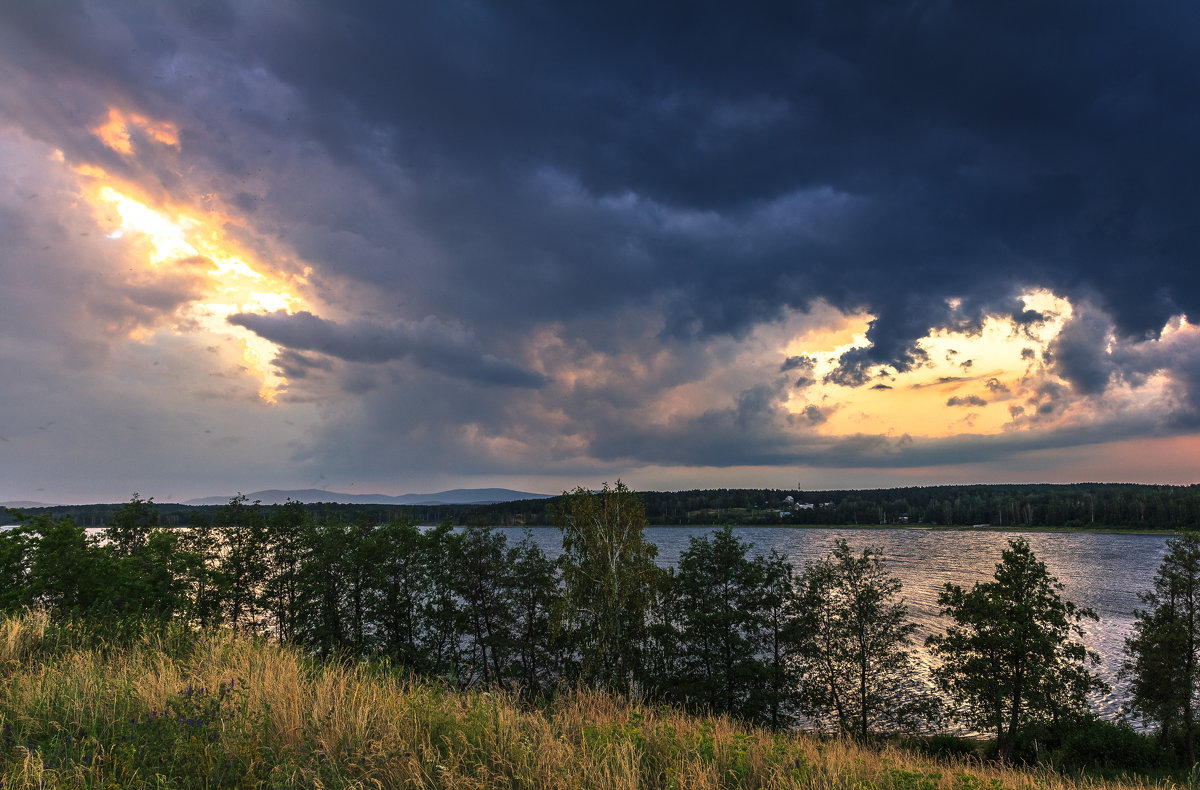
<point x="1098" y="570"/>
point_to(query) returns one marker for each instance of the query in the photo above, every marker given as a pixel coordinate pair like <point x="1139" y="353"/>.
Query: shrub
<point x="944" y="745"/>
<point x="1103" y="744"/>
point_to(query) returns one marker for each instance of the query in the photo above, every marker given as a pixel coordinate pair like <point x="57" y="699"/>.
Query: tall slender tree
<point x="401" y="589"/>
<point x="442" y="613"/>
<point x="62" y="571"/>
<point x="241" y="564"/>
<point x="1008" y="656"/>
<point x="285" y="532"/>
<point x="535" y="593"/>
<point x="16" y="546"/>
<point x="777" y="591"/>
<point x="1163" y="652"/>
<point x="609" y="575"/>
<point x="850" y="639"/>
<point x="484" y="583"/>
<point x="130" y="525"/>
<point x="322" y="622"/>
<point x="201" y="551"/>
<point x="722" y="622"/>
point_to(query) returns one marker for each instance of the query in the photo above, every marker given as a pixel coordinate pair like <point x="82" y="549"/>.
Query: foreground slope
<point x="172" y="708"/>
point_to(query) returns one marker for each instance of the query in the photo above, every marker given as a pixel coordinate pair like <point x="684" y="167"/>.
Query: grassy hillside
<point x="176" y="709"/>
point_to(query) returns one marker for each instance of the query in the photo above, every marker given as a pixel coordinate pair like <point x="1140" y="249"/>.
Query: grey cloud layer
<point x="433" y="345"/>
<point x="986" y="149"/>
<point x="631" y="178"/>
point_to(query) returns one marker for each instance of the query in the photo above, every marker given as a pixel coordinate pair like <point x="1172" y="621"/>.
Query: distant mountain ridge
<point x="309" y="496"/>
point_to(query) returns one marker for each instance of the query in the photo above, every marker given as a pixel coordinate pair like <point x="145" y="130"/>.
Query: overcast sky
<point x="403" y="247"/>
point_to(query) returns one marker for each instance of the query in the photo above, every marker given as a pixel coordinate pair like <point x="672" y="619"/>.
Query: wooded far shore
<point x="1121" y="506"/>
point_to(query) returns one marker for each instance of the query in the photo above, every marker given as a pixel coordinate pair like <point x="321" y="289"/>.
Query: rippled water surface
<point x="1102" y="571"/>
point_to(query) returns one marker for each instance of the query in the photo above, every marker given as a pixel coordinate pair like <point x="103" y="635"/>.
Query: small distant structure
<point x="790" y="503"/>
<point x="980" y="526"/>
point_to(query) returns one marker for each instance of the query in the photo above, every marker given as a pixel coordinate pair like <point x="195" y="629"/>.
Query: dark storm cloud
<point x="431" y="344"/>
<point x="602" y="167"/>
<point x="966" y="400"/>
<point x="986" y="148"/>
<point x="797" y="363"/>
<point x="1080" y="353"/>
<point x="989" y="148"/>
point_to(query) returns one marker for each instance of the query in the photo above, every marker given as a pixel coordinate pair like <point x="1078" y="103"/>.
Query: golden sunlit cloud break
<point x="260" y="245"/>
<point x="170" y="238"/>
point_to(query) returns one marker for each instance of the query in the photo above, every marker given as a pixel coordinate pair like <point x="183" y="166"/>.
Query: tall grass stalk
<point x="209" y="710"/>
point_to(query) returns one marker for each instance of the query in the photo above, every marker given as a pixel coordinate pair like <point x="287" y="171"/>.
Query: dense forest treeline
<point x="1081" y="505"/>
<point x="828" y="645"/>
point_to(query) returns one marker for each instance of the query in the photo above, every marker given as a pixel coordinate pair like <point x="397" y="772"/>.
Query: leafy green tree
<point x="241" y="568"/>
<point x="484" y="588"/>
<point x="201" y="551"/>
<point x="286" y="530"/>
<point x="609" y="576"/>
<point x="1009" y="658"/>
<point x="130" y="525"/>
<point x="359" y="568"/>
<point x="414" y="608"/>
<point x="156" y="576"/>
<point x="1163" y="652"/>
<point x="849" y="636"/>
<point x="144" y="568"/>
<point x="321" y="621"/>
<point x="63" y="568"/>
<point x="400" y="591"/>
<point x="662" y="658"/>
<point x="720" y="595"/>
<point x="16" y="546"/>
<point x="777" y="592"/>
<point x="535" y="592"/>
<point x="441" y="612"/>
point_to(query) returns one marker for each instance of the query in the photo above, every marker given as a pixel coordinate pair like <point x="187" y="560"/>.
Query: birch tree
<point x="608" y="574"/>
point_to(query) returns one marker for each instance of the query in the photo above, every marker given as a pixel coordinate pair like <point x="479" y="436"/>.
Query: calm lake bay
<point x="1098" y="570"/>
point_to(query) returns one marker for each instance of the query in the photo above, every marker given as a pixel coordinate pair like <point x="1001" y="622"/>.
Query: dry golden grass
<point x="83" y="717"/>
<point x="19" y="635"/>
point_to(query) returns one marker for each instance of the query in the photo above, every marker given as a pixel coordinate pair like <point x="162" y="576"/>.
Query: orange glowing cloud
<point x="114" y="132"/>
<point x="970" y="382"/>
<point x="166" y="241"/>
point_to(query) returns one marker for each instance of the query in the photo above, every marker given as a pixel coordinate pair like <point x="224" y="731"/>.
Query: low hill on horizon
<point x="309" y="496"/>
